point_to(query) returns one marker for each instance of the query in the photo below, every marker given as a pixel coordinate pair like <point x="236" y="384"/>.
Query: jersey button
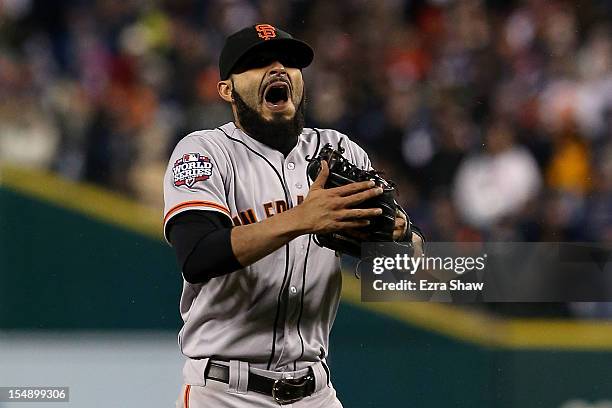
<point x="293" y="290"/>
<point x="291" y="165"/>
<point x="298" y="185"/>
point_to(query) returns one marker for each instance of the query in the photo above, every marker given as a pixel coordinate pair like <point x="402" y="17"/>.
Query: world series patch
<point x="191" y="168"/>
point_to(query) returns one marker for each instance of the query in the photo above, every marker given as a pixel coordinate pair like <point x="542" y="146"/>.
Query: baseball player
<point x="259" y="296"/>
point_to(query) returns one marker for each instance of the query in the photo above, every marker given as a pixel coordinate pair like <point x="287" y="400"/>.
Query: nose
<point x="276" y="68"/>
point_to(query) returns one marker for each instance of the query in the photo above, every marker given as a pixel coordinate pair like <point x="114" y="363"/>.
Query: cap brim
<point x="302" y="53"/>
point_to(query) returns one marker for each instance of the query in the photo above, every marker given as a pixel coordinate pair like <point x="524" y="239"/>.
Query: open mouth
<point x="276" y="95"/>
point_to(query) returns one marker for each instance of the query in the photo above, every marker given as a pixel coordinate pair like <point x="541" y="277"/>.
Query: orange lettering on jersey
<point x="280" y="206"/>
<point x="236" y="221"/>
<point x="252" y="215"/>
<point x="300" y="199"/>
<point x="268" y="209"/>
<point x="248" y="217"/>
<point x="265" y="31"/>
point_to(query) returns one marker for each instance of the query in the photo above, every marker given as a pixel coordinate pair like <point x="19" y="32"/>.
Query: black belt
<point x="284" y="390"/>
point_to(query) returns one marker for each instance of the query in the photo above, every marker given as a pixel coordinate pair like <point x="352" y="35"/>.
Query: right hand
<point x="329" y="210"/>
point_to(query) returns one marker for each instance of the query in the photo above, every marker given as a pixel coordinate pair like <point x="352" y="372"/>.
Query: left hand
<point x="401" y="225"/>
<point x="399" y="232"/>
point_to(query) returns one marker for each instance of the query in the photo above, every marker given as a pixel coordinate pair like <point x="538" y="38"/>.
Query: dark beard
<point x="279" y="134"/>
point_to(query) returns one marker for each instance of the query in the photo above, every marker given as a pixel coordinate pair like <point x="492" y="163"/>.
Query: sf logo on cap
<point x="265" y="31"/>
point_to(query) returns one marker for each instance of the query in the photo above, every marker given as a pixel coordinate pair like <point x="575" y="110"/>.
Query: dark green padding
<point x="62" y="270"/>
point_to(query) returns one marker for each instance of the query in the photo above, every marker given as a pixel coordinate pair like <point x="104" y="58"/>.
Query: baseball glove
<point x="342" y="172"/>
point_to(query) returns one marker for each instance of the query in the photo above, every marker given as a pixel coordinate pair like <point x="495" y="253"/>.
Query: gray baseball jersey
<point x="276" y="313"/>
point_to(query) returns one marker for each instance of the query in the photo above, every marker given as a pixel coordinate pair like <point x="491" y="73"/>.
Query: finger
<point x="352" y="188"/>
<point x="322" y="177"/>
<point x="363" y="196"/>
<point x="358" y="213"/>
<point x="400" y="223"/>
<point x="352" y="224"/>
<point x="399" y="231"/>
<point x="400" y="215"/>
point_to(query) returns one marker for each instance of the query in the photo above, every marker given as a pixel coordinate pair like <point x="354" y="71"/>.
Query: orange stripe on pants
<point x="187" y="389"/>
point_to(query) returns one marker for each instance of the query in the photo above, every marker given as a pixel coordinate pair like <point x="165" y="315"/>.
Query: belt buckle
<point x="284" y="387"/>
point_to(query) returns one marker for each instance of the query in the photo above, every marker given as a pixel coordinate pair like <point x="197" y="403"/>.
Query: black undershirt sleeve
<point x="203" y="246"/>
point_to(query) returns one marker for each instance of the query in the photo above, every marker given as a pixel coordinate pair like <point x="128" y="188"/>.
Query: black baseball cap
<point x="258" y="39"/>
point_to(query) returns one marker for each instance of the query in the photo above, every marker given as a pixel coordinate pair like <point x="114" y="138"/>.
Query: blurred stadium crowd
<point x="494" y="117"/>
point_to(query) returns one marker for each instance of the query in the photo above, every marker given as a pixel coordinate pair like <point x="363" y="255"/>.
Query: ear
<point x="225" y="90"/>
